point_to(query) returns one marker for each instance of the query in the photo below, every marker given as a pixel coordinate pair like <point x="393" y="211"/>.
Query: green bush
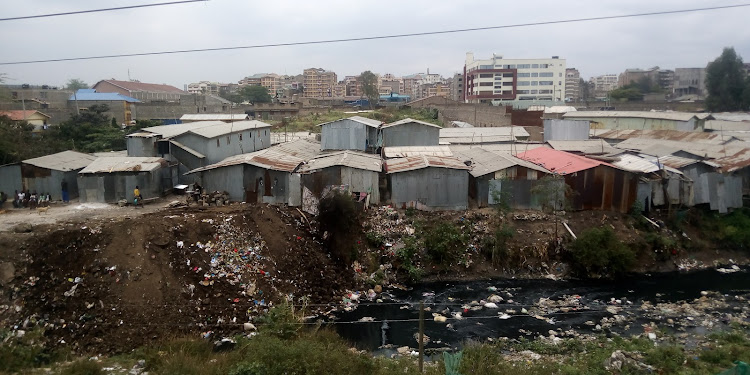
<point x="598" y="252"/>
<point x="83" y="367"/>
<point x="249" y="368"/>
<point x="495" y="247"/>
<point x="374" y="239"/>
<point x="667" y="359"/>
<point x="28" y="351"/>
<point x="280" y="321"/>
<point x="444" y="243"/>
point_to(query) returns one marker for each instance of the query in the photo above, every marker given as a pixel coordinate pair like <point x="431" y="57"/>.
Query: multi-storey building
<point x="271" y="81"/>
<point x="426" y="90"/>
<point x="203" y="87"/>
<point x="339" y="90"/>
<point x="689" y="81"/>
<point x="318" y="83"/>
<point x="572" y="85"/>
<point x="457" y="87"/>
<point x="499" y="79"/>
<point x="353" y="86"/>
<point x="603" y="84"/>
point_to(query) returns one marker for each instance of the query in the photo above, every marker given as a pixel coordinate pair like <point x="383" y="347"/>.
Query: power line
<point x="393" y="36"/>
<point x="99" y="10"/>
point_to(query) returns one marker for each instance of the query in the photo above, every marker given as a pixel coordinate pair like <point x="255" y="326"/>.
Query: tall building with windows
<point x="318" y="83"/>
<point x="572" y="85"/>
<point x="500" y="79"/>
<point x="603" y="84"/>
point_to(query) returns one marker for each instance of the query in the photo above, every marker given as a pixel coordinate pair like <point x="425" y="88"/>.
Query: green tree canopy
<point x="370" y="86"/>
<point x="727" y="85"/>
<point x="74" y="84"/>
<point x="90" y="131"/>
<point x="255" y="94"/>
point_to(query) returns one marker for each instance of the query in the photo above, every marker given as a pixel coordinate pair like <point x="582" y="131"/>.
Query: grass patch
<point x="598" y="253"/>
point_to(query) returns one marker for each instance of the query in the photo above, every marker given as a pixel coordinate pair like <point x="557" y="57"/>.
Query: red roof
<point x="140" y="86"/>
<point x="560" y="161"/>
<point x="20" y="115"/>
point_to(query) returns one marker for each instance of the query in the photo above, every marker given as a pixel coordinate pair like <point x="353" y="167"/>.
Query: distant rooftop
<point x="134" y="86"/>
<point x="92" y="95"/>
<point x="62" y="161"/>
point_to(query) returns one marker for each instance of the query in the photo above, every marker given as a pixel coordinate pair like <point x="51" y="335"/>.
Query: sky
<point x="594" y="48"/>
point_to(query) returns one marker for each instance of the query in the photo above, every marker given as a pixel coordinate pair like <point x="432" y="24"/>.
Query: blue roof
<point x="91" y="94"/>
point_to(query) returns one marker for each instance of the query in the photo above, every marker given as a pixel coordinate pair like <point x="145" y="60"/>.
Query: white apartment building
<point x="604" y="84"/>
<point x="500" y="79"/>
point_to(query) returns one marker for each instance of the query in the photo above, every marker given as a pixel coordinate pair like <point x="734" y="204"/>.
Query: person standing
<point x="138" y="199"/>
<point x="64" y="187"/>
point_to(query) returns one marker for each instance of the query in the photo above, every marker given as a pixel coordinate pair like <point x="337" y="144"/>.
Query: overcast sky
<point x="597" y="47"/>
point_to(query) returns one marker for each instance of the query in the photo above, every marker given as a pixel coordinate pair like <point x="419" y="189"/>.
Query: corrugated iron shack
<point x="265" y="176"/>
<point x="596" y="185"/>
<point x="483" y="135"/>
<point x="353" y="133"/>
<point x="428" y="182"/>
<point x="109" y="179"/>
<point x="501" y="176"/>
<point x="658" y="184"/>
<point x="640" y="120"/>
<point x="410" y="132"/>
<point x="352" y="172"/>
<point x="46" y="173"/>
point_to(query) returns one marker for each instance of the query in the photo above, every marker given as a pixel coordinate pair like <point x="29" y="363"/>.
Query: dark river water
<point x="395" y="320"/>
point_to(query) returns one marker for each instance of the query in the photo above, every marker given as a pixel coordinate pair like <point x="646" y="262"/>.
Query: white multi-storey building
<point x="499" y="79"/>
<point x="604" y="84"/>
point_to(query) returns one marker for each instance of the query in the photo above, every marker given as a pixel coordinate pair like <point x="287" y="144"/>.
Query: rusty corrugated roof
<point x="560" y="162"/>
<point x="418" y="162"/>
<point x="672" y="135"/>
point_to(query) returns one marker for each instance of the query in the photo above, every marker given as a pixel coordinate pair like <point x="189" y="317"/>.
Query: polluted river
<point x="681" y="304"/>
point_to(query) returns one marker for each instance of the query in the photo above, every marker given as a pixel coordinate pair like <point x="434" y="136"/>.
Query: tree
<point x="75" y="84"/>
<point x="255" y="94"/>
<point x="628" y="92"/>
<point x="90" y="131"/>
<point x="726" y="83"/>
<point x="370" y="86"/>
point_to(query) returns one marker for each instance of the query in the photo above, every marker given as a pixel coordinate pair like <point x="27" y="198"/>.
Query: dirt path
<point x="73" y="212"/>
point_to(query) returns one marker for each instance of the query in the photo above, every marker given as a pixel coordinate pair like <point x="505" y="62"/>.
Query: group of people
<point x="27" y="199"/>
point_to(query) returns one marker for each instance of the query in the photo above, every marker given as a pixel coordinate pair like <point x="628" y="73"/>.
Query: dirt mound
<point x="115" y="284"/>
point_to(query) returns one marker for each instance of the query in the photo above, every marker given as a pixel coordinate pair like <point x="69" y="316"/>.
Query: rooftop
<point x="62" y="161"/>
<point x="214" y="117"/>
<point x="124" y="164"/>
<point x="484" y="162"/>
<point x="676" y="116"/>
<point x="92" y="95"/>
<point x="589" y="146"/>
<point x="418" y="162"/>
<point x="359" y="119"/>
<point x="352" y="159"/>
<point x="409" y="121"/>
<point x="20" y="115"/>
<point x="405" y="151"/>
<point x="673" y="135"/>
<point x="559" y="161"/>
<point x="142" y="86"/>
<point x="207" y="129"/>
<point x="482" y="135"/>
<point x="285" y="157"/>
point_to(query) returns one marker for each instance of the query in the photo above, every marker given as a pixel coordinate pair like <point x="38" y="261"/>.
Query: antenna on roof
<point x="129" y="74"/>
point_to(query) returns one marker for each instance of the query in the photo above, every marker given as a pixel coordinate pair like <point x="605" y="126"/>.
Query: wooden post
<point x="421" y="337"/>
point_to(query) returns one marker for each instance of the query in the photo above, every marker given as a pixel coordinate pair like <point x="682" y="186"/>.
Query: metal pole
<point x="421" y="336"/>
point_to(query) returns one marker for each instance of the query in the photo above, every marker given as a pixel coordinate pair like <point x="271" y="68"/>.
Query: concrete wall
<point x="413" y="134"/>
<point x="430" y="189"/>
<point x="642" y="124"/>
<point x="475" y="114"/>
<point x="10" y="179"/>
<point x="565" y="130"/>
<point x="346" y="134"/>
<point x="111" y="187"/>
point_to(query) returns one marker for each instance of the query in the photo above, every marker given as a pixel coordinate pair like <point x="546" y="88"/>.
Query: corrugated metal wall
<point x="413" y="134"/>
<point x="111" y="187"/>
<point x="603" y="188"/>
<point x="431" y="188"/>
<point x="565" y="130"/>
<point x="10" y="179"/>
<point x="343" y="135"/>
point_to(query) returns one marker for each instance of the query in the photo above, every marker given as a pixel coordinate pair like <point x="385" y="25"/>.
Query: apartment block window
<point x="560" y="74"/>
<point x="485" y="83"/>
<point x="523" y="83"/>
<point x="534" y="83"/>
<point x="545" y="91"/>
<point x="559" y="82"/>
<point x="485" y="75"/>
<point x="534" y="91"/>
<point x="535" y="66"/>
<point x="546" y="74"/>
<point x="522" y="75"/>
<point x="486" y="66"/>
<point x="546" y="83"/>
<point x="522" y="92"/>
<point x="524" y="66"/>
<point x="544" y="66"/>
<point x="507" y="74"/>
<point x="498" y="77"/>
<point x="507" y="92"/>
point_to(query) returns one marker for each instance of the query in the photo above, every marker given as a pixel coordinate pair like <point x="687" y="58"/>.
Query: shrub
<point x="249" y="368"/>
<point x="495" y="247"/>
<point x="444" y="242"/>
<point x="280" y="321"/>
<point x="83" y="367"/>
<point x="598" y="252"/>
